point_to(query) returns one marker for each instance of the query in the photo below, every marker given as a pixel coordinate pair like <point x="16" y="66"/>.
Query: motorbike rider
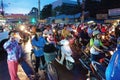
<point x="65" y="32"/>
<point x="65" y="49"/>
<point x="95" y="44"/>
<point x="48" y="31"/>
<point x="113" y="69"/>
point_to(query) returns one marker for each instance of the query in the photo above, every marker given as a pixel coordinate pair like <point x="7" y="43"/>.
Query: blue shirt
<point x="38" y="46"/>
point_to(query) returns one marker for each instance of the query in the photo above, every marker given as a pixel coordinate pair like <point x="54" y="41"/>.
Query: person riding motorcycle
<point x="95" y="44"/>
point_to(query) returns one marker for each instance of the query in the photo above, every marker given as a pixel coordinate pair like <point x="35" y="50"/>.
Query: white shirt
<point x="93" y="50"/>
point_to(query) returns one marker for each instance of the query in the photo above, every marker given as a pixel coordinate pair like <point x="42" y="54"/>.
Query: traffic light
<point x="19" y="22"/>
<point x="33" y="20"/>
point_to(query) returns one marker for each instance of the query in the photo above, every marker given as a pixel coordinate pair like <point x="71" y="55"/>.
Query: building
<point x="15" y="18"/>
<point x="61" y="2"/>
<point x="63" y="18"/>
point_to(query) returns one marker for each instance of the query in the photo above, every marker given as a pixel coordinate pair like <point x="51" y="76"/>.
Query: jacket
<point x="38" y="46"/>
<point x="14" y="50"/>
<point x="113" y="68"/>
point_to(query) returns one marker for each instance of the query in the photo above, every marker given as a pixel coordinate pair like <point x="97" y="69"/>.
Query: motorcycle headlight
<point x="54" y="30"/>
<point x="103" y="36"/>
<point x="111" y="52"/>
<point x="22" y="28"/>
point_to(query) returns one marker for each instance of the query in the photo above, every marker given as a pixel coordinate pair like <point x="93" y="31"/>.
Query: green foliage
<point x="95" y="7"/>
<point x="67" y="9"/>
<point x="46" y="11"/>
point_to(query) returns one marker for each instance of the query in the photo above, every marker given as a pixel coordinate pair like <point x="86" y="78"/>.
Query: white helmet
<point x="96" y="32"/>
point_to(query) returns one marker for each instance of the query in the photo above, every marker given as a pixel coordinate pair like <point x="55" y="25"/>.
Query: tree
<point x="69" y="9"/>
<point x="112" y="4"/>
<point x="46" y="11"/>
<point x="57" y="10"/>
<point x="95" y="7"/>
<point x="92" y="7"/>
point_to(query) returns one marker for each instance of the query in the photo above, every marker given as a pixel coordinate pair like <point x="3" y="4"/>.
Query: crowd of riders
<point x="81" y="37"/>
<point x="94" y="38"/>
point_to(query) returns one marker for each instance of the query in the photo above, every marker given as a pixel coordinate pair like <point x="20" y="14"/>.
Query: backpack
<point x="49" y="48"/>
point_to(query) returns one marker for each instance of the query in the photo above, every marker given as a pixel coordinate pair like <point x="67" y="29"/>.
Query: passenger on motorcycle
<point x="51" y="39"/>
<point x="65" y="49"/>
<point x="65" y="32"/>
<point x="47" y="31"/>
<point x="113" y="69"/>
<point x="95" y="44"/>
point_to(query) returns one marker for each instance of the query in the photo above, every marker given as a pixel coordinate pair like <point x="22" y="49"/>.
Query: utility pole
<point x="83" y="8"/>
<point x="38" y="9"/>
<point x="2" y="11"/>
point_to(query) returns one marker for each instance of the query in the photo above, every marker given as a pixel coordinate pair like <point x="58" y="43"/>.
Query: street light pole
<point x="38" y="9"/>
<point x="2" y="12"/>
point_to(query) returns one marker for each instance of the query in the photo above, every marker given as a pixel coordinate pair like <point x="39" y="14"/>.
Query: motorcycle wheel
<point x="52" y="72"/>
<point x="69" y="65"/>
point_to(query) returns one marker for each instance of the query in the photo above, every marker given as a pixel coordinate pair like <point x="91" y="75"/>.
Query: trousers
<point x="13" y="68"/>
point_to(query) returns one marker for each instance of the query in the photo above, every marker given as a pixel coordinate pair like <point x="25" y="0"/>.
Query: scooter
<point x="95" y="69"/>
<point x="65" y="52"/>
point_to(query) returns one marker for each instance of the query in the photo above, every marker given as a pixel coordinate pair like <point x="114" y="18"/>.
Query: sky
<point x="23" y="6"/>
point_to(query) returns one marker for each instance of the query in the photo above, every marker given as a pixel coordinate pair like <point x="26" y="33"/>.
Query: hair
<point x="36" y="37"/>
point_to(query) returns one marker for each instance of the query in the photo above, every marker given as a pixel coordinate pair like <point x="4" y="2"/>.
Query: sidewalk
<point x="21" y="74"/>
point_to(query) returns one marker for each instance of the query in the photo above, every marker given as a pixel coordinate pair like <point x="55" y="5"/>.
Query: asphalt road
<point x="78" y="73"/>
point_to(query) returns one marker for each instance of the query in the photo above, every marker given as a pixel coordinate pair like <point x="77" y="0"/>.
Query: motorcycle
<point x="95" y="69"/>
<point x="65" y="53"/>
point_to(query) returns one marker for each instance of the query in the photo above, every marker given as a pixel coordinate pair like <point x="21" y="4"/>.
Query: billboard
<point x="114" y="12"/>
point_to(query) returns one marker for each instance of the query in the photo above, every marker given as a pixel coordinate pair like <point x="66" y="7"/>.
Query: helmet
<point x="95" y="33"/>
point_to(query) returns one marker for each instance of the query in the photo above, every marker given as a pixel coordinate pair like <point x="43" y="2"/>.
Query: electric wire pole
<point x="38" y="9"/>
<point x="2" y="11"/>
